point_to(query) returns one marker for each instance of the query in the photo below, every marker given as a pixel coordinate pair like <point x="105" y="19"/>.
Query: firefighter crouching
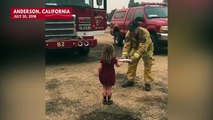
<point x="138" y="44"/>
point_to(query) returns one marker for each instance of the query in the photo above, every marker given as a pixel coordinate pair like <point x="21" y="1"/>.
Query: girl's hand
<point x="120" y="63"/>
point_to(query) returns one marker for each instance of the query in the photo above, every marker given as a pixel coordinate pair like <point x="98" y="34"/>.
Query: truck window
<point x="130" y="14"/>
<point x="156" y="12"/>
<point x="95" y="5"/>
<point x="120" y="14"/>
<point x="86" y="3"/>
<point x="138" y="13"/>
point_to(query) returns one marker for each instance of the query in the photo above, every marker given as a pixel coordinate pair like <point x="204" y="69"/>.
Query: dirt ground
<point x="73" y="91"/>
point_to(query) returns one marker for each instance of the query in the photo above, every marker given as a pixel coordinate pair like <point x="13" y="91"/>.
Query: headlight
<point x="163" y="28"/>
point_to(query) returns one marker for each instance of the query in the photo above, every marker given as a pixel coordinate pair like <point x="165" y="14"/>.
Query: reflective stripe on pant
<point x="148" y="62"/>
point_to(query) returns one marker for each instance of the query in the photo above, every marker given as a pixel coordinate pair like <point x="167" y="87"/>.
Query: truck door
<point x="139" y="16"/>
<point x="99" y="16"/>
<point x="128" y="19"/>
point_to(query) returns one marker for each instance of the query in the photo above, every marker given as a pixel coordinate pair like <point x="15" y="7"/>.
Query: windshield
<point x="72" y="2"/>
<point x="156" y="12"/>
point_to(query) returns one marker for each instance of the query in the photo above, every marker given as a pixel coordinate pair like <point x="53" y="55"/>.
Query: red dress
<point x="107" y="73"/>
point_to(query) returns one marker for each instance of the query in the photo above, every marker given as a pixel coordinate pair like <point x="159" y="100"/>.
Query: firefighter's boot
<point x="128" y="84"/>
<point x="147" y="87"/>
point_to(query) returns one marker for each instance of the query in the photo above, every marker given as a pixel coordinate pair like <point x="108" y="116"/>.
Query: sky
<point x="112" y="4"/>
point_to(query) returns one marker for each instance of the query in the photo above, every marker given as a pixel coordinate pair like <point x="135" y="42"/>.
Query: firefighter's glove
<point x="124" y="57"/>
<point x="133" y="59"/>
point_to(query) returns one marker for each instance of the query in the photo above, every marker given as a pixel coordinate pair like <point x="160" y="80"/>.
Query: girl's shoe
<point x="109" y="102"/>
<point x="104" y="102"/>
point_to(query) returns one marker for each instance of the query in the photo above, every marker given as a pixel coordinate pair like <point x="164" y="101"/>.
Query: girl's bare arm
<point x="118" y="64"/>
<point x="99" y="67"/>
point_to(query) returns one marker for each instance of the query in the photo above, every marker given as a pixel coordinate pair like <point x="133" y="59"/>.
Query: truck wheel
<point x="156" y="45"/>
<point x="118" y="41"/>
<point x="84" y="51"/>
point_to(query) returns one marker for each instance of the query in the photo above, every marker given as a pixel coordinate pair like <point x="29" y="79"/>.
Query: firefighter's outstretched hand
<point x="130" y="60"/>
<point x="123" y="57"/>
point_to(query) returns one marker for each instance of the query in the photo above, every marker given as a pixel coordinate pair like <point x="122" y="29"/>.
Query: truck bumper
<point x="162" y="36"/>
<point x="71" y="43"/>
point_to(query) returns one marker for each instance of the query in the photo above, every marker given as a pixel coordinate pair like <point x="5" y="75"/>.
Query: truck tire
<point x="84" y="51"/>
<point x="118" y="41"/>
<point x="156" y="45"/>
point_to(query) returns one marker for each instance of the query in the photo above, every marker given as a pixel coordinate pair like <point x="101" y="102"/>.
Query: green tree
<point x="137" y="4"/>
<point x="131" y="3"/>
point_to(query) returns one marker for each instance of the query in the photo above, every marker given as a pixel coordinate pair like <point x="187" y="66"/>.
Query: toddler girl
<point x="107" y="72"/>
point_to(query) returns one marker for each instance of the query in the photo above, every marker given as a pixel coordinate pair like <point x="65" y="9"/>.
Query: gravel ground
<point x="73" y="91"/>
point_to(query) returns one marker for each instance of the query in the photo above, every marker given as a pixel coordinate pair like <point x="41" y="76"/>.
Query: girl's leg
<point x="109" y="94"/>
<point x="104" y="93"/>
<point x="109" y="91"/>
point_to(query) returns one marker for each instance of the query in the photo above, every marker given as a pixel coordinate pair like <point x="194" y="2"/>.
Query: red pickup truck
<point x="152" y="16"/>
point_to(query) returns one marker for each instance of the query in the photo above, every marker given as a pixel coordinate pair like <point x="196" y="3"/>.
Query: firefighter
<point x="138" y="44"/>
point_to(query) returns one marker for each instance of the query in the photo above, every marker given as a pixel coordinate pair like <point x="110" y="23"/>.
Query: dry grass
<point x="74" y="92"/>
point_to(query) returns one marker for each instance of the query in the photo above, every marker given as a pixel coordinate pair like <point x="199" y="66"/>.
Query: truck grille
<point x="60" y="28"/>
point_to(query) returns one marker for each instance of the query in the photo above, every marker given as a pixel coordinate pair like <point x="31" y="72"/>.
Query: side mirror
<point x="139" y="19"/>
<point x="99" y="2"/>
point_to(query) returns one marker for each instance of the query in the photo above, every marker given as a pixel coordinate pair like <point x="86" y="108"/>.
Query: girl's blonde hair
<point x="108" y="53"/>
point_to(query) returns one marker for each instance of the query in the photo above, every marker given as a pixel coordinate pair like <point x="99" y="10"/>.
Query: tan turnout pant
<point x="148" y="62"/>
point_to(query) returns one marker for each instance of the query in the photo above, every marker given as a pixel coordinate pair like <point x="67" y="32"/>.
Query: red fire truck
<point x="88" y="19"/>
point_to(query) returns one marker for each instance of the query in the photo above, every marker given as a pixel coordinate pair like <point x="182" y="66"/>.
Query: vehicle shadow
<point x="70" y="56"/>
<point x="162" y="52"/>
